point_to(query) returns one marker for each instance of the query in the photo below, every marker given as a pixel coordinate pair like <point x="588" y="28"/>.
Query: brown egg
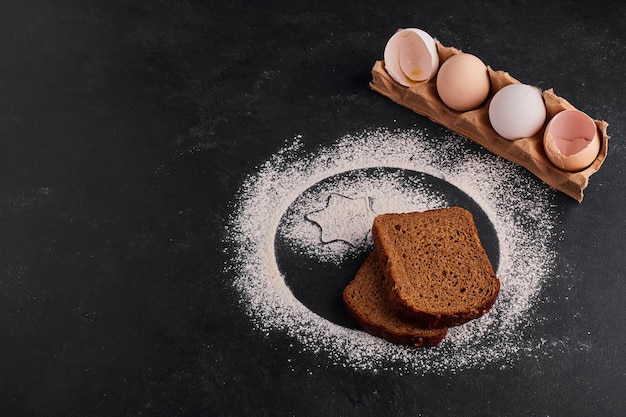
<point x="463" y="82"/>
<point x="571" y="140"/>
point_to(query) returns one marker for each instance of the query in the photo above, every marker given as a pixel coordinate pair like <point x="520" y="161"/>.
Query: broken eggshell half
<point x="411" y="57"/>
<point x="571" y="140"/>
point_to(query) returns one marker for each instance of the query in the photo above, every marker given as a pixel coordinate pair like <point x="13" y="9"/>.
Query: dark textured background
<point x="126" y="128"/>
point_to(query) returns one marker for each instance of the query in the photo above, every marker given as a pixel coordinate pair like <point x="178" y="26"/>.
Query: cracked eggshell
<point x="571" y="140"/>
<point x="411" y="57"/>
<point x="517" y="111"/>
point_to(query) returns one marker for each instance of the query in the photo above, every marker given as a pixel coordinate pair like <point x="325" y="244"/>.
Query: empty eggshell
<point x="463" y="82"/>
<point x="571" y="140"/>
<point x="411" y="57"/>
<point x="517" y="111"/>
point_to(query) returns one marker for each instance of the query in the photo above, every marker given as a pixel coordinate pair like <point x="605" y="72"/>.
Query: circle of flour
<point x="518" y="206"/>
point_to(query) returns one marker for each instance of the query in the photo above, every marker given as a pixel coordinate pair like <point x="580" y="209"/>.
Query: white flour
<point x="518" y="206"/>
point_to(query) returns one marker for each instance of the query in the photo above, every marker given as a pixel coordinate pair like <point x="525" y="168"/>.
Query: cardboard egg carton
<point x="528" y="152"/>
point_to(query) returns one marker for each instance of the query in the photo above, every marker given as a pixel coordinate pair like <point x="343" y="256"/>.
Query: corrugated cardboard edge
<point x="474" y="125"/>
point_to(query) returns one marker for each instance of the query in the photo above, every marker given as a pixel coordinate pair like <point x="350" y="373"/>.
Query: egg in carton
<point x="508" y="118"/>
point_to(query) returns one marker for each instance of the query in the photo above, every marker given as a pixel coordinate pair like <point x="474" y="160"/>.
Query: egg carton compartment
<point x="527" y="152"/>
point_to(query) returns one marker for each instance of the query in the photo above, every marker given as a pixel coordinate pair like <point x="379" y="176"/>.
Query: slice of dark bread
<point x="436" y="270"/>
<point x="365" y="299"/>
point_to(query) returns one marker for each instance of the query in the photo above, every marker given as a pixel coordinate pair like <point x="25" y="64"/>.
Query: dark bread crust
<point x="365" y="300"/>
<point x="455" y="267"/>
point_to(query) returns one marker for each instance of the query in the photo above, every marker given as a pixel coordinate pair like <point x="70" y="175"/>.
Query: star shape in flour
<point x="346" y="219"/>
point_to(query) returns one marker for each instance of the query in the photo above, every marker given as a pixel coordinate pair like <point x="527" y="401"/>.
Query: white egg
<point x="517" y="111"/>
<point x="411" y="57"/>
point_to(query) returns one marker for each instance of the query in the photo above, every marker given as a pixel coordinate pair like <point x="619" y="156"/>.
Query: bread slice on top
<point x="366" y="302"/>
<point x="436" y="271"/>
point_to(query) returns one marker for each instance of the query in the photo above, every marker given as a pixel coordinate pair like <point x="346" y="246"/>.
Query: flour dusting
<point x="275" y="201"/>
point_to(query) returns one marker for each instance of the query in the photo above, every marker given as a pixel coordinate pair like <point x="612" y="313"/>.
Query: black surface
<point x="127" y="127"/>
